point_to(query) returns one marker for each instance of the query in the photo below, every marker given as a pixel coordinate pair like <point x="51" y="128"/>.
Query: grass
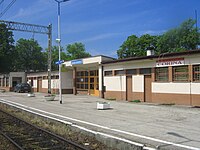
<point x="168" y="104"/>
<point x="68" y="132"/>
<point x="111" y="99"/>
<point x="135" y="101"/>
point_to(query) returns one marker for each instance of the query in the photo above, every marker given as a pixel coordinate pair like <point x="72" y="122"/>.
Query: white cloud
<point x="152" y="32"/>
<point x="35" y="10"/>
<point x="100" y="37"/>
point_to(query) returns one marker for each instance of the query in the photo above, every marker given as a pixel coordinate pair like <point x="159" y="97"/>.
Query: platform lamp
<point x="59" y="48"/>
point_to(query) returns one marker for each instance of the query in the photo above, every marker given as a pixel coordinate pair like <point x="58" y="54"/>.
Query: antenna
<point x="196" y="18"/>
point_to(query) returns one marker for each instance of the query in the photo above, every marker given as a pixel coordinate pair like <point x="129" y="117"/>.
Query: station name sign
<point x="170" y="62"/>
<point x="76" y="62"/>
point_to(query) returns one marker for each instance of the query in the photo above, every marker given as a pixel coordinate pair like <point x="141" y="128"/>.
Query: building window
<point x="131" y="71"/>
<point x="82" y="80"/>
<point x="162" y="74"/>
<point x="119" y="72"/>
<point x="180" y="73"/>
<point x="45" y="77"/>
<point x="108" y="73"/>
<point x="196" y="73"/>
<point x="93" y="73"/>
<point x="145" y="71"/>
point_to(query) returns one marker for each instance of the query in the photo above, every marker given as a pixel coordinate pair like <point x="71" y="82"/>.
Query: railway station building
<point x="9" y="81"/>
<point x="170" y="78"/>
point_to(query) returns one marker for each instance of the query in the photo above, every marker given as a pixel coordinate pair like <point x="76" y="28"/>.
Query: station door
<point x="88" y="81"/>
<point x="94" y="83"/>
<point x="147" y="88"/>
<point x="129" y="88"/>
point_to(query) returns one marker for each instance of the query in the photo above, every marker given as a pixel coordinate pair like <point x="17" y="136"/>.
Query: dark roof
<point x="164" y="55"/>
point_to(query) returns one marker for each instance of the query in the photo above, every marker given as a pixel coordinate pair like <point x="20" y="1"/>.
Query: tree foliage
<point x="7" y="51"/>
<point x="184" y="37"/>
<point x="76" y="51"/>
<point x="55" y="56"/>
<point x="73" y="51"/>
<point x="135" y="46"/>
<point x="29" y="56"/>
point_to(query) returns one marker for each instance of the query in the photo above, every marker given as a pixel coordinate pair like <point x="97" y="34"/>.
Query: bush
<point x="136" y="101"/>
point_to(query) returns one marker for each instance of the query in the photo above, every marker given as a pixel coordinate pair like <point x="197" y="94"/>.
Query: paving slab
<point x="161" y="126"/>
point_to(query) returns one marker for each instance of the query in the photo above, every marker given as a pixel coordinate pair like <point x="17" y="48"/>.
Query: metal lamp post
<point x="59" y="48"/>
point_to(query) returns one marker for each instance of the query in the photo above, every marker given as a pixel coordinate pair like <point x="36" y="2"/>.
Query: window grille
<point x="119" y="72"/>
<point x="145" y="71"/>
<point x="82" y="80"/>
<point x="108" y="73"/>
<point x="131" y="71"/>
<point x="180" y="73"/>
<point x="196" y="73"/>
<point x="162" y="74"/>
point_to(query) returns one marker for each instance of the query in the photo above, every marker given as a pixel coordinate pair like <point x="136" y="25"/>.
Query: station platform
<point x="158" y="126"/>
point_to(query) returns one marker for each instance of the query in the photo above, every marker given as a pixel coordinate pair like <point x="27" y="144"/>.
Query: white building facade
<point x="172" y="78"/>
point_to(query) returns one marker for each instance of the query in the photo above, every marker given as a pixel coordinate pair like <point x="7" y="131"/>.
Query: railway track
<point x="26" y="136"/>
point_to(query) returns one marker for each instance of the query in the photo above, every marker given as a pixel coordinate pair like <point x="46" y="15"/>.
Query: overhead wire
<point x="1" y="2"/>
<point x="7" y="8"/>
<point x="1" y="6"/>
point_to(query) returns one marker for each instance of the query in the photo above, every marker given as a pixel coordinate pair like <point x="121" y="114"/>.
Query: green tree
<point x="7" y="51"/>
<point x="30" y="56"/>
<point x="135" y="46"/>
<point x="129" y="47"/>
<point x="76" y="51"/>
<point x="55" y="56"/>
<point x="184" y="37"/>
<point x="146" y="41"/>
<point x="73" y="51"/>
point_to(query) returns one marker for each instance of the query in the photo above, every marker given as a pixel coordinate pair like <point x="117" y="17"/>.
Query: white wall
<point x="138" y="83"/>
<point x="34" y="84"/>
<point x="130" y="65"/>
<point x="195" y="88"/>
<point x="192" y="60"/>
<point x="54" y="83"/>
<point x="176" y="88"/>
<point x="67" y="81"/>
<point x="115" y="83"/>
<point x="92" y="60"/>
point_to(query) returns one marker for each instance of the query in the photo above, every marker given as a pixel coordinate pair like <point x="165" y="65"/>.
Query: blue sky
<point x="102" y="25"/>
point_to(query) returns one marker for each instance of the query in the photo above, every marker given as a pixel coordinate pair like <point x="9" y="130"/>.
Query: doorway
<point x="129" y="88"/>
<point x="147" y="88"/>
<point x="39" y="85"/>
<point x="94" y="83"/>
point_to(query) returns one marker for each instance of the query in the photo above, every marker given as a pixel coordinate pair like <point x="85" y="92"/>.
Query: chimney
<point x="150" y="50"/>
